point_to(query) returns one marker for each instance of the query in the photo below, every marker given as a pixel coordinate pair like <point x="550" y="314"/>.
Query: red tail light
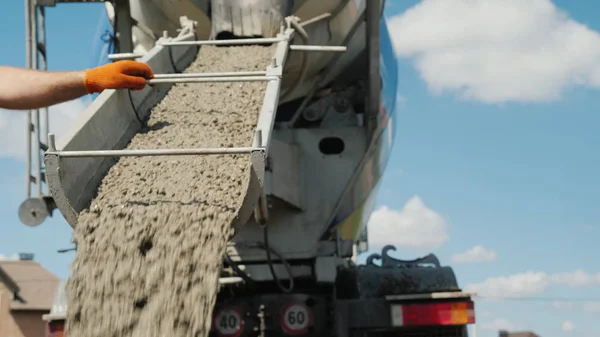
<point x="453" y="313"/>
<point x="56" y="328"/>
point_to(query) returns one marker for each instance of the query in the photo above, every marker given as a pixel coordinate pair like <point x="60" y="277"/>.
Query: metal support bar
<point x="131" y="56"/>
<point x="319" y="48"/>
<point x="212" y="79"/>
<point x="28" y="64"/>
<point x="43" y="67"/>
<point x="230" y="280"/>
<point x="315" y="19"/>
<point x="439" y="295"/>
<point x="220" y="42"/>
<point x="123" y="26"/>
<point x="266" y="118"/>
<point x="124" y="56"/>
<point x="154" y="152"/>
<point x="204" y="75"/>
<point x="373" y="16"/>
<point x="145" y="152"/>
<point x="36" y="113"/>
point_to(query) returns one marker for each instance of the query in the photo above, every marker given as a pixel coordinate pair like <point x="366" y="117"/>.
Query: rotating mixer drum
<point x="225" y="19"/>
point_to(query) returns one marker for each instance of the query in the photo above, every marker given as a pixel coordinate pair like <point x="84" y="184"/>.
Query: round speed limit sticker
<point x="228" y="322"/>
<point x="296" y="318"/>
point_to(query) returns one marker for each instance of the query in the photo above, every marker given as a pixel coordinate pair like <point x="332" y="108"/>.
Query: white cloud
<point x="13" y="126"/>
<point x="475" y="254"/>
<point x="485" y="314"/>
<point x="532" y="283"/>
<point x="414" y="226"/>
<point x="578" y="278"/>
<point x="499" y="324"/>
<point x="517" y="285"/>
<point x="568" y="326"/>
<point x="561" y="305"/>
<point x="497" y="50"/>
<point x="589" y="306"/>
<point x="9" y="258"/>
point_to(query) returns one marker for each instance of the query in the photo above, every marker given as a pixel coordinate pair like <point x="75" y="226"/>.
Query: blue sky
<point x="496" y="148"/>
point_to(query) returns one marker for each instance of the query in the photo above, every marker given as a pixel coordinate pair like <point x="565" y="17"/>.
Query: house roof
<point x="521" y="334"/>
<point x="8" y="281"/>
<point x="35" y="286"/>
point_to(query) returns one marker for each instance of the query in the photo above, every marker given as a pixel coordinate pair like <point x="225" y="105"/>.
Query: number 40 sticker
<point x="296" y="318"/>
<point x="228" y="323"/>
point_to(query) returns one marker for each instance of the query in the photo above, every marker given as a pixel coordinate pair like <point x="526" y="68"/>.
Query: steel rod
<point x="230" y="280"/>
<point x="220" y="42"/>
<point x="124" y="56"/>
<point x="123" y="24"/>
<point x="203" y="75"/>
<point x="213" y="79"/>
<point x="36" y="113"/>
<point x="315" y="19"/>
<point x="155" y="152"/>
<point x="44" y="64"/>
<point x="28" y="119"/>
<point x="318" y="48"/>
<point x="373" y="16"/>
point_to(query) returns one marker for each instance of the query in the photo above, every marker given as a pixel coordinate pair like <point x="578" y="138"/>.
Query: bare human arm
<point x="24" y="89"/>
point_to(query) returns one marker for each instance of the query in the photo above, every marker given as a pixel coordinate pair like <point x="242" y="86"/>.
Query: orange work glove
<point x="118" y="75"/>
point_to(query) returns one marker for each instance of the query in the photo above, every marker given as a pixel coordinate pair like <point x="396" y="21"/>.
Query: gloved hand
<point x="118" y="75"/>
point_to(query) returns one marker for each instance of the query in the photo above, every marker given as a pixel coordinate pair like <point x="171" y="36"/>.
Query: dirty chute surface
<point x="151" y="243"/>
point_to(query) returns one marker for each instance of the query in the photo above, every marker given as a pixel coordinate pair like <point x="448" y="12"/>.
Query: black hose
<point x="286" y="264"/>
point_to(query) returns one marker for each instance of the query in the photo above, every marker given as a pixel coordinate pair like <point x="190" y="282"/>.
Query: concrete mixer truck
<point x="323" y="139"/>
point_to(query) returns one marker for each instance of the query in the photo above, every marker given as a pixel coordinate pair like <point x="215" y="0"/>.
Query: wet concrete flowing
<point x="150" y="245"/>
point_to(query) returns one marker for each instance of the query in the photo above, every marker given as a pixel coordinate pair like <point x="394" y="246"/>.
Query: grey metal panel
<point x="322" y="177"/>
<point x="261" y="272"/>
<point x="365" y="314"/>
<point x="326" y="268"/>
<point x="284" y="180"/>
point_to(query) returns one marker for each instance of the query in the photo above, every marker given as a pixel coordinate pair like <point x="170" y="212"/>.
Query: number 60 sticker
<point x="296" y="318"/>
<point x="228" y="322"/>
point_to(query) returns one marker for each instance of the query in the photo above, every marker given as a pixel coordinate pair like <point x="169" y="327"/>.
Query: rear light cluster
<point x="55" y="328"/>
<point x="449" y="313"/>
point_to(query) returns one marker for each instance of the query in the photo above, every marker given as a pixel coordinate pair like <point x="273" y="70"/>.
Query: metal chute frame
<point x="72" y="186"/>
<point x="57" y="174"/>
